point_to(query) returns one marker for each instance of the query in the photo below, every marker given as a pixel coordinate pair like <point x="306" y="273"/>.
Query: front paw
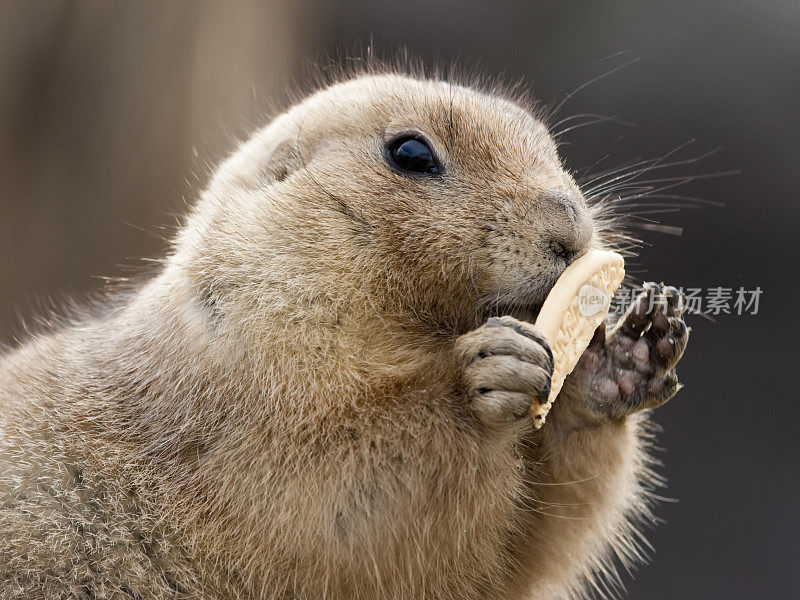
<point x="633" y="368"/>
<point x="505" y="365"/>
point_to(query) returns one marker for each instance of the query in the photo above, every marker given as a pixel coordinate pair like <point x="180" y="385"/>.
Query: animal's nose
<point x="571" y="226"/>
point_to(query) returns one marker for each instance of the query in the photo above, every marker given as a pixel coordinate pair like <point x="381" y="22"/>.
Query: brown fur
<point x="277" y="414"/>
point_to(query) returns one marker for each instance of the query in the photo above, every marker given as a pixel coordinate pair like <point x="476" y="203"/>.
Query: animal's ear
<point x="282" y="161"/>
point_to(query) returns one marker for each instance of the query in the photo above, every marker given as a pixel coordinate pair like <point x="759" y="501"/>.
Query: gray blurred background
<point x="111" y="114"/>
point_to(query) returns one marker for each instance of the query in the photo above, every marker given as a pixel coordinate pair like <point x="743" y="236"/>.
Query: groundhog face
<point x="417" y="193"/>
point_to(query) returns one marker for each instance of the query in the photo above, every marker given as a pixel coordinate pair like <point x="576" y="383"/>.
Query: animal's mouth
<point x="522" y="312"/>
<point x="524" y="304"/>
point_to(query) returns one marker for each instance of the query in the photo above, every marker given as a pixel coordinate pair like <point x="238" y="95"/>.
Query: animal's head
<point x="410" y="196"/>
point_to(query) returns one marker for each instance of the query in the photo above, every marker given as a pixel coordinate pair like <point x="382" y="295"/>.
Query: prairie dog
<point x="323" y="393"/>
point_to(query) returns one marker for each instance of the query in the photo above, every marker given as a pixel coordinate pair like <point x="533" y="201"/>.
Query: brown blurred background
<point x="112" y="113"/>
<point x="109" y="112"/>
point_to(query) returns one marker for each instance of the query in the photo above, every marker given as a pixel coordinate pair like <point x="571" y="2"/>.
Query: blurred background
<point x="112" y="113"/>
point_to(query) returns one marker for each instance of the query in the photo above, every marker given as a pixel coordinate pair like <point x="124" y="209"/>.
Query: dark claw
<point x="675" y="301"/>
<point x="599" y="338"/>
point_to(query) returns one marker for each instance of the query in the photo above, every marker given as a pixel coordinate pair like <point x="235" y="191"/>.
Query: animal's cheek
<point x="507" y="271"/>
<point x="513" y="255"/>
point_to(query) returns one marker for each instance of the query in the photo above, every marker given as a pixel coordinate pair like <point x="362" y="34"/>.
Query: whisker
<point x="592" y="122"/>
<point x="678" y="163"/>
<point x="644" y="185"/>
<point x="592" y="166"/>
<point x="688" y="178"/>
<point x="645" y="203"/>
<point x="569" y="96"/>
<point x="667" y="229"/>
<point x="651" y="165"/>
<point x="692" y="201"/>
<point x="659" y="211"/>
<point x="573" y="117"/>
<point x="705" y="316"/>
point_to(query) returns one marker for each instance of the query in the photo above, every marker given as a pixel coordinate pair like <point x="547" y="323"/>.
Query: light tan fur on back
<point x="280" y="414"/>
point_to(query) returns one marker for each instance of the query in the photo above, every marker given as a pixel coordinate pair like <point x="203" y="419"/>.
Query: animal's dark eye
<point x="412" y="155"/>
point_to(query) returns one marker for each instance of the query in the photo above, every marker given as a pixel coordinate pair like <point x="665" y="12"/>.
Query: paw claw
<point x="675" y="301"/>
